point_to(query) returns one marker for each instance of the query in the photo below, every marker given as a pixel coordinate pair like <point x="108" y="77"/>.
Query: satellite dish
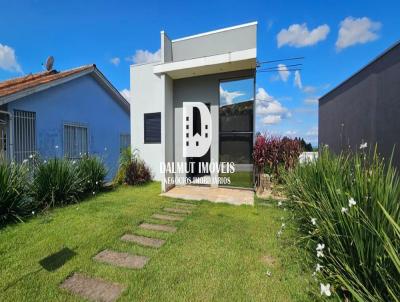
<point x="49" y="63"/>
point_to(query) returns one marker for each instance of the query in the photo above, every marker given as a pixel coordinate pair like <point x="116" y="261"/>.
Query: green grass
<point x="215" y="255"/>
<point x="239" y="179"/>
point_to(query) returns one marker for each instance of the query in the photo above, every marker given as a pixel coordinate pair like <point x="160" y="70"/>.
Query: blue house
<point x="63" y="114"/>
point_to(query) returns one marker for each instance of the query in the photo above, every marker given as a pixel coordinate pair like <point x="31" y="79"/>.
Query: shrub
<point x="137" y="172"/>
<point x="124" y="160"/>
<point x="92" y="172"/>
<point x="57" y="182"/>
<point x="349" y="204"/>
<point x="15" y="202"/>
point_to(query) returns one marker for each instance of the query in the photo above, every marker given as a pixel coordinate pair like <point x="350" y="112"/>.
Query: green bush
<point x="57" y="182"/>
<point x="348" y="209"/>
<point x="15" y="202"/>
<point x="92" y="172"/>
<point x="124" y="160"/>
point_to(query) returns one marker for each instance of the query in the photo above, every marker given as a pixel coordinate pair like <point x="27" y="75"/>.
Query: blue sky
<point x="335" y="37"/>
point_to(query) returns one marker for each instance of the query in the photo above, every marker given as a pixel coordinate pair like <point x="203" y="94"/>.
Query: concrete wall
<point x="81" y="101"/>
<point x="226" y="41"/>
<point x="147" y="91"/>
<point x="365" y="108"/>
<point x="200" y="89"/>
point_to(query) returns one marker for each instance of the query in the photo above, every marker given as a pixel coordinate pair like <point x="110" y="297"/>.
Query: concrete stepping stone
<point x="158" y="227"/>
<point x="142" y="240"/>
<point x="122" y="259"/>
<point x="93" y="289"/>
<point x="177" y="210"/>
<point x="167" y="217"/>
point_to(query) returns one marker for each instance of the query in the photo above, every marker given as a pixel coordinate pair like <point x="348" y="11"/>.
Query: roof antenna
<point x="49" y="63"/>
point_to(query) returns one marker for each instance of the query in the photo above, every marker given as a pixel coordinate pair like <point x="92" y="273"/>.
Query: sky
<point x="336" y="38"/>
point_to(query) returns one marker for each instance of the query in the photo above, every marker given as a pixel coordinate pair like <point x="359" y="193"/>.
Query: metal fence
<point x="24" y="135"/>
<point x="4" y="142"/>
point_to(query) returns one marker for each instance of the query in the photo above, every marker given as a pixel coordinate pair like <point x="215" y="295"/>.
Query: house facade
<point x="216" y="69"/>
<point x="365" y="109"/>
<point x="64" y="114"/>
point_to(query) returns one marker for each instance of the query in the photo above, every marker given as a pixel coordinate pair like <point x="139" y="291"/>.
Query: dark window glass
<point x="236" y="147"/>
<point x="152" y="128"/>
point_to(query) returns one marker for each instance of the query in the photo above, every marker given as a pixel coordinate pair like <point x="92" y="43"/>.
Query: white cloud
<point x="297" y="80"/>
<point x="283" y="72"/>
<point x="115" y="61"/>
<point x="357" y="31"/>
<point x="298" y="35"/>
<point x="290" y="133"/>
<point x="8" y="60"/>
<point x="271" y="108"/>
<point x="272" y="119"/>
<point x="228" y="97"/>
<point x="309" y="89"/>
<point x="311" y="101"/>
<point x="313" y="132"/>
<point x="126" y="93"/>
<point x="144" y="56"/>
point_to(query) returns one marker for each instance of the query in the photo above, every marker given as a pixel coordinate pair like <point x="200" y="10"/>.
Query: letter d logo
<point x="196" y="129"/>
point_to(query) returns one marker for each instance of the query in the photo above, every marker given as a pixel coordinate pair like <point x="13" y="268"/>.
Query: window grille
<point x="124" y="141"/>
<point x="24" y="135"/>
<point x="75" y="141"/>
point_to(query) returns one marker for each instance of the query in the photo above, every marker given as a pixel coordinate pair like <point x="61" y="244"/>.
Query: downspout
<point x="11" y="131"/>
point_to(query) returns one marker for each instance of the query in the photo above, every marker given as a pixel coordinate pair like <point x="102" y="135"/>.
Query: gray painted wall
<point x="365" y="108"/>
<point x="214" y="44"/>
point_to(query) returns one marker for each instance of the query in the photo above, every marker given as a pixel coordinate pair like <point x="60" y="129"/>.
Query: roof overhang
<point x="233" y="61"/>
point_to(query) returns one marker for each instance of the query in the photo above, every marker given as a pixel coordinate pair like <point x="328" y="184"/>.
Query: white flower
<point x="283" y="225"/>
<point x="105" y="148"/>
<point x="31" y="156"/>
<point x="279" y="203"/>
<point x="33" y="212"/>
<point x="352" y="202"/>
<point x="318" y="268"/>
<point x="24" y="161"/>
<point x="74" y="162"/>
<point x="97" y="182"/>
<point x="279" y="233"/>
<point x="326" y="289"/>
<point x="269" y="273"/>
<point x="363" y="146"/>
<point x="314" y="221"/>
<point x="56" y="146"/>
<point x="344" y="210"/>
<point x="320" y="254"/>
<point x="45" y="161"/>
<point x="94" y="192"/>
<point x="320" y="246"/>
<point x="282" y="218"/>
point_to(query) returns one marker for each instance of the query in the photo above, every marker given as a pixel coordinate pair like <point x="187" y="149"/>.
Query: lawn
<point x="220" y="252"/>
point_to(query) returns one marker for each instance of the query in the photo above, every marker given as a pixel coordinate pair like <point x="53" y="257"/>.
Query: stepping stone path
<point x="93" y="289"/>
<point x="145" y="241"/>
<point x="122" y="259"/>
<point x="99" y="290"/>
<point x="158" y="227"/>
<point x="167" y="217"/>
<point x="177" y="210"/>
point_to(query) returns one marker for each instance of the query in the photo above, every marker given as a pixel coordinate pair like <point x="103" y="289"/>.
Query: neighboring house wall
<point x="365" y="108"/>
<point x="81" y="101"/>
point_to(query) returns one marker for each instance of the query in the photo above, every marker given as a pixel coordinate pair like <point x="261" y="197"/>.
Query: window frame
<point x="75" y="125"/>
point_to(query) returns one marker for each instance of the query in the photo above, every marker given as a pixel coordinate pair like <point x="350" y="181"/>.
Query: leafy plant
<point x="57" y="182"/>
<point x="92" y="172"/>
<point x="124" y="160"/>
<point x="15" y="202"/>
<point x="137" y="172"/>
<point x="348" y="209"/>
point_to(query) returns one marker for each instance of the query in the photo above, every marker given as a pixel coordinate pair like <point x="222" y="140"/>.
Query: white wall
<point x="147" y="91"/>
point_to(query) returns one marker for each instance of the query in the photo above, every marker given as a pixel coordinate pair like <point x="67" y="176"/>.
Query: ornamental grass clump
<point x="15" y="201"/>
<point x="348" y="209"/>
<point x="92" y="172"/>
<point x="57" y="182"/>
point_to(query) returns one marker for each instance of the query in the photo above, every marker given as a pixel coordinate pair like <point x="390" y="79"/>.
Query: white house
<point x="216" y="68"/>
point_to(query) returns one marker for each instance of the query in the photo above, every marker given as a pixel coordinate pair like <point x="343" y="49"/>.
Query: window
<point x="152" y="128"/>
<point x="24" y="135"/>
<point x="75" y="141"/>
<point x="236" y="127"/>
<point x="124" y="141"/>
